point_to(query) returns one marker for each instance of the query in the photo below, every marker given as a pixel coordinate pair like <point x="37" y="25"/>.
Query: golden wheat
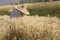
<point x="30" y="28"/>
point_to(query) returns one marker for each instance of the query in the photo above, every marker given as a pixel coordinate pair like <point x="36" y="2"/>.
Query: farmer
<point x="18" y="11"/>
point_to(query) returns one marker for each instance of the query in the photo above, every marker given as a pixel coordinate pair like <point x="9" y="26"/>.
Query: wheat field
<point x="29" y="28"/>
<point x="35" y="6"/>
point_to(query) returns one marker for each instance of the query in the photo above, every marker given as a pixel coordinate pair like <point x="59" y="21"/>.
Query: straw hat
<point x="22" y="9"/>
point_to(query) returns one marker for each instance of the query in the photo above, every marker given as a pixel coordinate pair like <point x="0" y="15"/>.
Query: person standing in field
<point x="18" y="11"/>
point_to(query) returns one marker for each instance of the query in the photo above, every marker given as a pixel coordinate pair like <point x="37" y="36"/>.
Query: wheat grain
<point x="30" y="28"/>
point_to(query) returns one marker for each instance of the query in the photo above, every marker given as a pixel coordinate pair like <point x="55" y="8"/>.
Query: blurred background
<point x="11" y="2"/>
<point x="42" y="8"/>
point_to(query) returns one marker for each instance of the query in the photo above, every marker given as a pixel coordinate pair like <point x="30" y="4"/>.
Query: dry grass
<point x="35" y="6"/>
<point x="30" y="28"/>
<point x="6" y="8"/>
<point x="43" y="6"/>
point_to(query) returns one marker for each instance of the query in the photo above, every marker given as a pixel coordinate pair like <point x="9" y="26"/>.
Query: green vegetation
<point x="40" y="9"/>
<point x="38" y="12"/>
<point x="45" y="13"/>
<point x="4" y="13"/>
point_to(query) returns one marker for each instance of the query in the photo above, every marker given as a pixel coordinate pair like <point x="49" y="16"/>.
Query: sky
<point x="7" y="2"/>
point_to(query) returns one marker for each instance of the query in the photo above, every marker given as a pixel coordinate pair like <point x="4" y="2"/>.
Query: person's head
<point x="22" y="6"/>
<point x="22" y="9"/>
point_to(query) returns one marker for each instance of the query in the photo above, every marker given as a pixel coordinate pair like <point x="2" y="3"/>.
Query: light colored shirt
<point x="15" y="14"/>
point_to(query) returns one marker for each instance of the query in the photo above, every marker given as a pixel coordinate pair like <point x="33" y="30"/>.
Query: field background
<point x="43" y="23"/>
<point x="40" y="9"/>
